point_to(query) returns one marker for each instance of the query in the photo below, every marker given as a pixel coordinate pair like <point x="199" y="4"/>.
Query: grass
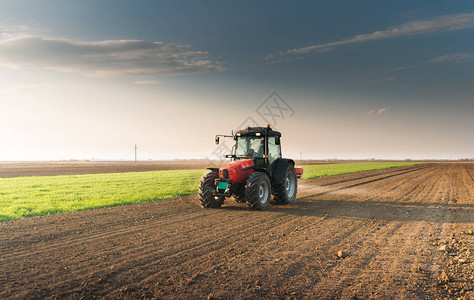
<point x="314" y="171"/>
<point x="45" y="195"/>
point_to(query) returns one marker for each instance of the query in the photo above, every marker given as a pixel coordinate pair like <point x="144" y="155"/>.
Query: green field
<point x="44" y="195"/>
<point x="314" y="171"/>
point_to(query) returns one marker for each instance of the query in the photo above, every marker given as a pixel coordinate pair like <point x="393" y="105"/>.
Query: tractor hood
<point x="234" y="170"/>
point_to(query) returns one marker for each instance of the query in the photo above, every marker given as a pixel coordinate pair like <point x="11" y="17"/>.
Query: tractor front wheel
<point x="258" y="191"/>
<point x="207" y="186"/>
<point x="240" y="198"/>
<point x="286" y="193"/>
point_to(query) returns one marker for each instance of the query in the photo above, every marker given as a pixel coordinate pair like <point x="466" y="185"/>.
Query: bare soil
<point x="21" y="169"/>
<point x="403" y="233"/>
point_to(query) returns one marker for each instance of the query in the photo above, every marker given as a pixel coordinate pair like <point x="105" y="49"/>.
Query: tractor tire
<point x="207" y="186"/>
<point x="286" y="193"/>
<point x="240" y="198"/>
<point x="258" y="191"/>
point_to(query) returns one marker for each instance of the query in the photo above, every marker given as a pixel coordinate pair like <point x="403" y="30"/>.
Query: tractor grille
<point x="225" y="173"/>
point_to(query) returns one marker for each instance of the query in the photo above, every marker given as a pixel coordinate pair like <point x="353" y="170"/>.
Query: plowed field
<point x="404" y="233"/>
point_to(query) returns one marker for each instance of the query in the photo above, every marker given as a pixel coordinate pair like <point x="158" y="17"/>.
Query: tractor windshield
<point x="250" y="147"/>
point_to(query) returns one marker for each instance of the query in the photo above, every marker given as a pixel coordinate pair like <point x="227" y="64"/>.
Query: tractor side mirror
<point x="277" y="140"/>
<point x="217" y="140"/>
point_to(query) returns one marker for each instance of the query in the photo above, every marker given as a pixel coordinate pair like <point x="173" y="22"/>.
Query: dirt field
<point x="17" y="169"/>
<point x="404" y="233"/>
<point x="81" y="167"/>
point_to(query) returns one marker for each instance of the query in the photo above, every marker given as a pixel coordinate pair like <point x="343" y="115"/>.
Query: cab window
<point x="274" y="150"/>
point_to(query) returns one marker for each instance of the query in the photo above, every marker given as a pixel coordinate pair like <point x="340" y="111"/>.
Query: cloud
<point x="383" y="110"/>
<point x="438" y="24"/>
<point x="397" y="69"/>
<point x="147" y="82"/>
<point x="30" y="87"/>
<point x="11" y="31"/>
<point x="111" y="58"/>
<point x="454" y="57"/>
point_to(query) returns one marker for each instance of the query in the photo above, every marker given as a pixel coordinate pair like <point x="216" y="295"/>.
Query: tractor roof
<point x="251" y="131"/>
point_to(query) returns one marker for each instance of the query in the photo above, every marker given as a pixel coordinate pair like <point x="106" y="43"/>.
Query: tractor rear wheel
<point x="258" y="191"/>
<point x="207" y="186"/>
<point x="286" y="193"/>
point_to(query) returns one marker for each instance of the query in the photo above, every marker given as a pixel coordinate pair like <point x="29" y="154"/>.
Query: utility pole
<point x="301" y="157"/>
<point x="135" y="152"/>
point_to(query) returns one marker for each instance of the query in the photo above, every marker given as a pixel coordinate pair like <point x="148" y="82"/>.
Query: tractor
<point x="256" y="171"/>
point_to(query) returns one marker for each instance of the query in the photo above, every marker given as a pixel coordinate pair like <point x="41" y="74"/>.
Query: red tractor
<point x="256" y="171"/>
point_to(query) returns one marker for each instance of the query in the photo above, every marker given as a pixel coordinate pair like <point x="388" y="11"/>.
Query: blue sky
<point x="89" y="79"/>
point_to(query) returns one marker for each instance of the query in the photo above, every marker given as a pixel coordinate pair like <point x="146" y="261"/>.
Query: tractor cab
<point x="258" y="143"/>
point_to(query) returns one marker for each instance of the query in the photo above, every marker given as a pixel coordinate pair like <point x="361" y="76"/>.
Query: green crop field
<point x="44" y="195"/>
<point x="314" y="171"/>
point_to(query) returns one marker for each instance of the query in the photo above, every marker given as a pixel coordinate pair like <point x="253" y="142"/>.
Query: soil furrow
<point x="388" y="224"/>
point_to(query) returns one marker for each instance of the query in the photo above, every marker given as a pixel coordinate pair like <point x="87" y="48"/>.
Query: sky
<point x="339" y="79"/>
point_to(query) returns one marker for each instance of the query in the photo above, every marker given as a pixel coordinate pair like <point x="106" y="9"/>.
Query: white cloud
<point x="148" y="82"/>
<point x="438" y="24"/>
<point x="11" y="31"/>
<point x="30" y="87"/>
<point x="111" y="58"/>
<point x="383" y="110"/>
<point x="454" y="57"/>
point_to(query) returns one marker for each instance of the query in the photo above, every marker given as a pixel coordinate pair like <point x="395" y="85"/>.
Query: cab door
<point x="274" y="149"/>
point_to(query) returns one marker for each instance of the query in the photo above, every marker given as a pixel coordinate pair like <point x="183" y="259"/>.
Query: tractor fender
<point x="262" y="170"/>
<point x="278" y="169"/>
<point x="214" y="169"/>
